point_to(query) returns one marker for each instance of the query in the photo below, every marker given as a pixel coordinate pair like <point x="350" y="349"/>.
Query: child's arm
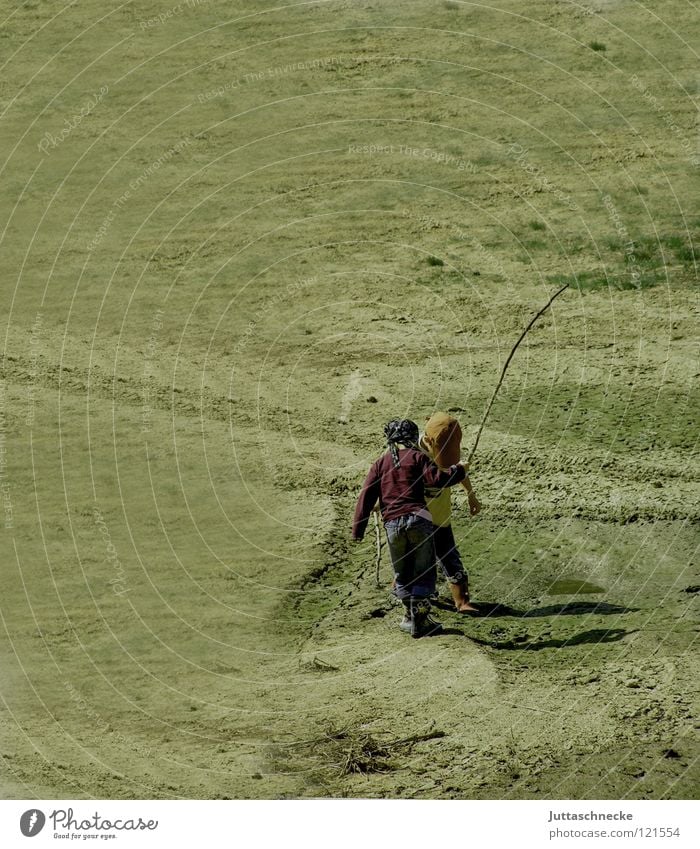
<point x="438" y="479"/>
<point x="366" y="503"/>
<point x="474" y="505"/>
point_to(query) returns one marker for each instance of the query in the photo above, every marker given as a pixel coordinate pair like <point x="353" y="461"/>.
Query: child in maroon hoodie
<point x="398" y="480"/>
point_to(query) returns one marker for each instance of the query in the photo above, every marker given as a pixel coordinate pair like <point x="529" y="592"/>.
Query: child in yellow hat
<point x="441" y="441"/>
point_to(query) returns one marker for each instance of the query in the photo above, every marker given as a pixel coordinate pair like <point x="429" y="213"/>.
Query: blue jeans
<point x="412" y="555"/>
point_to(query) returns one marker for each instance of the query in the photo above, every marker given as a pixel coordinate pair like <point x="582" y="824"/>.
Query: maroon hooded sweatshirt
<point x="400" y="491"/>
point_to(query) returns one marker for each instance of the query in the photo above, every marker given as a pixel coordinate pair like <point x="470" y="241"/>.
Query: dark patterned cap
<point x="401" y="430"/>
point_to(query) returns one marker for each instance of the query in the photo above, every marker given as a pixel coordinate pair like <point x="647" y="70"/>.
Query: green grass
<point x="622" y="281"/>
<point x="652" y="252"/>
<point x="687" y="254"/>
<point x="533" y="244"/>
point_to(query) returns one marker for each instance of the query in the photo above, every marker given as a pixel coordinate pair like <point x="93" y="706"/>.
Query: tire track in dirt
<point x="123" y="390"/>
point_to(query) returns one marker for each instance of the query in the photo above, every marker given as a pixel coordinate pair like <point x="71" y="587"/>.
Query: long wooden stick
<point x="377" y="533"/>
<point x="503" y="372"/>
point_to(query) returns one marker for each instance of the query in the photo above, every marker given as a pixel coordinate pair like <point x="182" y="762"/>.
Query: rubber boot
<point x="460" y="596"/>
<point x="406" y="623"/>
<point x="422" y="624"/>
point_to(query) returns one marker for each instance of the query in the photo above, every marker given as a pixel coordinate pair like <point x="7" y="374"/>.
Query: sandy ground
<point x="237" y="240"/>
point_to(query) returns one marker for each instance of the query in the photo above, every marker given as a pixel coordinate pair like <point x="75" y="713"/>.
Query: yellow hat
<point x="445" y="436"/>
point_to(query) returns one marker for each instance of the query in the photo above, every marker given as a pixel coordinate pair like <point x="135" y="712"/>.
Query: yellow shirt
<point x="439" y="501"/>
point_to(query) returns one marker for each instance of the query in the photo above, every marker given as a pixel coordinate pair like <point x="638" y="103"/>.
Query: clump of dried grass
<point x="352" y="751"/>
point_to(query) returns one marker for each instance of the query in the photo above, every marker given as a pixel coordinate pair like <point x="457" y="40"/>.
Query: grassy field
<point x="237" y="238"/>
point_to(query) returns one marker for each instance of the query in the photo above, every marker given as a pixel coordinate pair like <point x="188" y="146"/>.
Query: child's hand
<point x="474" y="504"/>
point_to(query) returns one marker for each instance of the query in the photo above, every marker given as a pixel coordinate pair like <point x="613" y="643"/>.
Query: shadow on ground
<point x="524" y="643"/>
<point x="575" y="608"/>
